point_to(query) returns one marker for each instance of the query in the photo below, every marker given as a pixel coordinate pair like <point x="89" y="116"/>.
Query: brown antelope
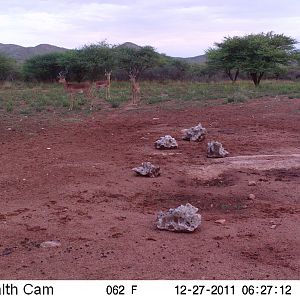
<point x="135" y="89"/>
<point x="105" y="84"/>
<point x="75" y="88"/>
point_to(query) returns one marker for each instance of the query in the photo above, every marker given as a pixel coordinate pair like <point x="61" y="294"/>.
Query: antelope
<point x="135" y="89"/>
<point x="105" y="84"/>
<point x="75" y="88"/>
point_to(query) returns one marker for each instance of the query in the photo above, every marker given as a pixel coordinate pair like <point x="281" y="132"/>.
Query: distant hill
<point x="20" y="53"/>
<point x="200" y="59"/>
<point x="129" y="45"/>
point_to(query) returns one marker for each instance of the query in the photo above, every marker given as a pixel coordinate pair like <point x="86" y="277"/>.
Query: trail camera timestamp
<point x="233" y="290"/>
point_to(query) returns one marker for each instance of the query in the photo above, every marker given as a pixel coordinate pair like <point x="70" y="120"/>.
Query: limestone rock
<point x="147" y="169"/>
<point x="216" y="150"/>
<point x="184" y="218"/>
<point x="251" y="196"/>
<point x="166" y="142"/>
<point x="220" y="221"/>
<point x="50" y="244"/>
<point x="195" y="134"/>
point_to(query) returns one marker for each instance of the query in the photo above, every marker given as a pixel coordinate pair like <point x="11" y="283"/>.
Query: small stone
<point x="166" y="142"/>
<point x="49" y="244"/>
<point x="251" y="183"/>
<point x="216" y="150"/>
<point x="7" y="251"/>
<point x="48" y="148"/>
<point x="147" y="169"/>
<point x="184" y="218"/>
<point x="273" y="226"/>
<point x="251" y="196"/>
<point x="220" y="221"/>
<point x="195" y="134"/>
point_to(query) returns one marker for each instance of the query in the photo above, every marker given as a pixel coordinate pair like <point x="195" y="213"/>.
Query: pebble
<point x="220" y="221"/>
<point x="273" y="226"/>
<point x="49" y="244"/>
<point x="251" y="183"/>
<point x="251" y="196"/>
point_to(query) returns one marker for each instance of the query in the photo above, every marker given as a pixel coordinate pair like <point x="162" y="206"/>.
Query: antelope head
<point x="62" y="76"/>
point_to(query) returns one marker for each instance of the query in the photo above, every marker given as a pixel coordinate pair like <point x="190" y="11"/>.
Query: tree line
<point x="253" y="56"/>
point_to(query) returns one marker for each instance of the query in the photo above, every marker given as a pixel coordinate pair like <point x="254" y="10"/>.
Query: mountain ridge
<point x="21" y="53"/>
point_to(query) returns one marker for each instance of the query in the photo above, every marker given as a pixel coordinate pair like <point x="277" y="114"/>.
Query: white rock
<point x="220" y="221"/>
<point x="216" y="150"/>
<point x="184" y="218"/>
<point x="49" y="244"/>
<point x="251" y="196"/>
<point x="147" y="169"/>
<point x="251" y="183"/>
<point x="166" y="142"/>
<point x="195" y="134"/>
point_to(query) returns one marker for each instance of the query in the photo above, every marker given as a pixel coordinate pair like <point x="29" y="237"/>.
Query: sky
<point x="177" y="28"/>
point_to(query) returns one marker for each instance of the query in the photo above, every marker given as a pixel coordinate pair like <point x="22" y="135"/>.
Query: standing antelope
<point x="135" y="89"/>
<point x="105" y="84"/>
<point x="75" y="88"/>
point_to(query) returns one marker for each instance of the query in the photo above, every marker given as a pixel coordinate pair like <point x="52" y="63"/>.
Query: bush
<point x="8" y="68"/>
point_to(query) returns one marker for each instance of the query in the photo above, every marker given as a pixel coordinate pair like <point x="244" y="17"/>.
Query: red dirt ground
<point x="82" y="193"/>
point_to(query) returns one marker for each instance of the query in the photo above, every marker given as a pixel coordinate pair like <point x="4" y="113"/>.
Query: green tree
<point x="297" y="56"/>
<point x="136" y="61"/>
<point x="88" y="62"/>
<point x="227" y="57"/>
<point x="42" y="67"/>
<point x="8" y="67"/>
<point x="264" y="53"/>
<point x="255" y="54"/>
<point x="73" y="64"/>
<point x="98" y="58"/>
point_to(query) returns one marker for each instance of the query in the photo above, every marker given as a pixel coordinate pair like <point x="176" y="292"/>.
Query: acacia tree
<point x="264" y="53"/>
<point x="42" y="67"/>
<point x="87" y="63"/>
<point x="72" y="63"/>
<point x="7" y="67"/>
<point x="97" y="59"/>
<point x="136" y="61"/>
<point x="255" y="54"/>
<point x="226" y="56"/>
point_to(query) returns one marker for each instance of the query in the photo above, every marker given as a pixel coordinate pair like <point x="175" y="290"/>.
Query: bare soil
<point x="68" y="179"/>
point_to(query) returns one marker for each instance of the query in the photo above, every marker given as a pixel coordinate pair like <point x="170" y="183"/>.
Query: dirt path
<point x="69" y="180"/>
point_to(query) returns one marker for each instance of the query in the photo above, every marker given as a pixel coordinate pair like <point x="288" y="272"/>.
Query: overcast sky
<point x="177" y="28"/>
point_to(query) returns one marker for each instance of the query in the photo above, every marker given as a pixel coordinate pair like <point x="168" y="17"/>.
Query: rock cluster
<point x="216" y="150"/>
<point x="147" y="169"/>
<point x="166" y="142"/>
<point x="184" y="218"/>
<point x="195" y="134"/>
